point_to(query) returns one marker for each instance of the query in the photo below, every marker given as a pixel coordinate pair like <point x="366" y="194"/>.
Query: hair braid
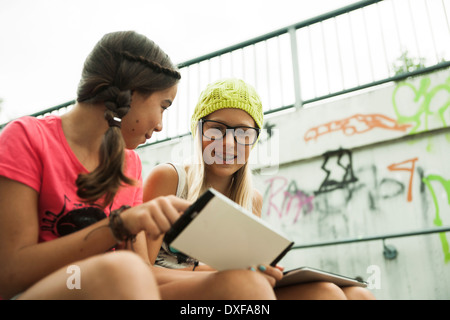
<point x="116" y="101"/>
<point x="151" y="64"/>
<point x="108" y="176"/>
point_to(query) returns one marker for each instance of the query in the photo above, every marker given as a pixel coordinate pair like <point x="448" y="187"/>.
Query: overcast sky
<point x="43" y="43"/>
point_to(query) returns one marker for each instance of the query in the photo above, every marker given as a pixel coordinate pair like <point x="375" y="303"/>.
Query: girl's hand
<point x="155" y="217"/>
<point x="273" y="274"/>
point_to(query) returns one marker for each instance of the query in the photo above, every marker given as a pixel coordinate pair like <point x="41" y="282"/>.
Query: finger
<point x="149" y="222"/>
<point x="271" y="271"/>
<point x="271" y="280"/>
<point x="161" y="210"/>
<point x="151" y="229"/>
<point x="281" y="268"/>
<point x="180" y="204"/>
<point x="169" y="210"/>
<point x="159" y="215"/>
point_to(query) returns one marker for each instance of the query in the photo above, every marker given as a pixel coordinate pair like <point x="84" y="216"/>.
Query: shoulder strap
<point x="181" y="179"/>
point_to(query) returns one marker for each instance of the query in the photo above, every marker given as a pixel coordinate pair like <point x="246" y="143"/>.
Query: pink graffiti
<point x="303" y="199"/>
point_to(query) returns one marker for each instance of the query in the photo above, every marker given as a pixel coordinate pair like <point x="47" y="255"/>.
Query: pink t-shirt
<point x="36" y="153"/>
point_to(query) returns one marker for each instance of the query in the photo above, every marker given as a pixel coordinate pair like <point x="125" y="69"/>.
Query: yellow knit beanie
<point x="228" y="93"/>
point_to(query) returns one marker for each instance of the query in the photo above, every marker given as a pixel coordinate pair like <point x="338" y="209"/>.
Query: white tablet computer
<point x="223" y="235"/>
<point x="307" y="274"/>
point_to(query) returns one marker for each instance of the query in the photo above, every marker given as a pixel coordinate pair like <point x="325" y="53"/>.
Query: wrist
<point x="119" y="231"/>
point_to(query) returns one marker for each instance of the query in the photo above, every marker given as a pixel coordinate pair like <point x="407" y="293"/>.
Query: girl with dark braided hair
<point x="71" y="189"/>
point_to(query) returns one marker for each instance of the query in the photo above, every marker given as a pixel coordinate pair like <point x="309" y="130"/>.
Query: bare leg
<point x="358" y="293"/>
<point x="116" y="275"/>
<point x="204" y="285"/>
<point x="311" y="291"/>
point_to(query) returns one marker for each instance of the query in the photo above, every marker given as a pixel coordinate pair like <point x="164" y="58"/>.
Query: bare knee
<point x="122" y="275"/>
<point x="311" y="291"/>
<point x="245" y="284"/>
<point x="120" y="264"/>
<point x="115" y="275"/>
<point x="331" y="291"/>
<point x="358" y="293"/>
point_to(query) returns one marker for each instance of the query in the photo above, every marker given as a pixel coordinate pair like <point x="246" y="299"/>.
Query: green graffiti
<point x="423" y="96"/>
<point x="437" y="218"/>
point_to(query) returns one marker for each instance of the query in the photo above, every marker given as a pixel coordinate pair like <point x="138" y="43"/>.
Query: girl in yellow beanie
<point x="225" y="125"/>
<point x="220" y="160"/>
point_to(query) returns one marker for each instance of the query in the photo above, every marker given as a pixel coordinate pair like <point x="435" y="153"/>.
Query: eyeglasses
<point x="215" y="130"/>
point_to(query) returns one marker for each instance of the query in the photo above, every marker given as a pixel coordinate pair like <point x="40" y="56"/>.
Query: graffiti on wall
<point x="338" y="167"/>
<point x="414" y="106"/>
<point x="418" y="107"/>
<point x="286" y="199"/>
<point x="356" y="124"/>
<point x="407" y="165"/>
<point x="428" y="103"/>
<point x="297" y="202"/>
<point x="437" y="217"/>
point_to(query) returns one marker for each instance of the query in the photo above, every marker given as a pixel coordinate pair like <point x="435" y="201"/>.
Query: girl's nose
<point x="159" y="127"/>
<point x="229" y="137"/>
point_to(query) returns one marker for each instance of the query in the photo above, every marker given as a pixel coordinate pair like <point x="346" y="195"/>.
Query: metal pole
<point x="295" y="68"/>
<point x="378" y="237"/>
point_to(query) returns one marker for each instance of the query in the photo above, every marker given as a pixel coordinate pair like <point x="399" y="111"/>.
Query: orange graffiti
<point x="398" y="167"/>
<point x="357" y="124"/>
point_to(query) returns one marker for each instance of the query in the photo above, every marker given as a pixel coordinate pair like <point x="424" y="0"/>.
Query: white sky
<point x="43" y="43"/>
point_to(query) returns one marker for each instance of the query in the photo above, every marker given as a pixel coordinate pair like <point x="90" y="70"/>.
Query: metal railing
<point x="359" y="46"/>
<point x="390" y="252"/>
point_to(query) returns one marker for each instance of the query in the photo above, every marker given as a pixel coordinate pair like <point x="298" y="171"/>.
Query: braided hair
<point x="120" y="63"/>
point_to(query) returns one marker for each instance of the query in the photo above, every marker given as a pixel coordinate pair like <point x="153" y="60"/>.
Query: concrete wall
<point x="364" y="165"/>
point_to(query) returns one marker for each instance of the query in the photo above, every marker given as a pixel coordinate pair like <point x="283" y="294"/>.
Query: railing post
<point x="295" y="68"/>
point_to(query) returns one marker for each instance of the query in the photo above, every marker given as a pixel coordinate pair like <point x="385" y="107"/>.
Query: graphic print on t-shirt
<point x="63" y="223"/>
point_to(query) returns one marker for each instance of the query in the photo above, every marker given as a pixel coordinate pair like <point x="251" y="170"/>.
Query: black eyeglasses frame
<point x="258" y="131"/>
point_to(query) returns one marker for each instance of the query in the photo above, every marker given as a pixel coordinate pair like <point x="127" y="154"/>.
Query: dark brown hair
<point x="119" y="64"/>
